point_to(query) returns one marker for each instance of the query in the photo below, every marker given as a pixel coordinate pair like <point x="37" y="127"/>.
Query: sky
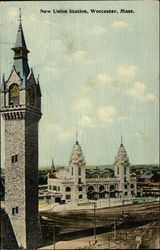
<point x="99" y="76"/>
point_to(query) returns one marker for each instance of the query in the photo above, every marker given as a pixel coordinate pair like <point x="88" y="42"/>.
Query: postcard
<point x="79" y="103"/>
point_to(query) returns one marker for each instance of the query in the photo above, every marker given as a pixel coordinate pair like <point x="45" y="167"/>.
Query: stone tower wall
<point x="33" y="231"/>
<point x="15" y="177"/>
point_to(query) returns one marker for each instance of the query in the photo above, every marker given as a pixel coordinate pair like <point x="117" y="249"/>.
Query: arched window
<point x="105" y="175"/>
<point x="112" y="187"/>
<point x="68" y="189"/>
<point x="132" y="185"/>
<point x="80" y="196"/>
<point x="90" y="188"/>
<point x="101" y="188"/>
<point x="79" y="188"/>
<point x="14" y="94"/>
<point x="95" y="176"/>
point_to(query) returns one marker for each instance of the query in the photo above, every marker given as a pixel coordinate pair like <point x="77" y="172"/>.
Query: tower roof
<point x="77" y="156"/>
<point x="121" y="156"/>
<point x="21" y="51"/>
<point x="3" y="87"/>
<point x="20" y="41"/>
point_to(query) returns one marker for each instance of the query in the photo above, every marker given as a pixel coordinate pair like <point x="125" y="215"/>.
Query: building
<point x="148" y="184"/>
<point x="77" y="184"/>
<point x="21" y="111"/>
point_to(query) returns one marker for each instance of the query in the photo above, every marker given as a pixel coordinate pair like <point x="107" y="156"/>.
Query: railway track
<point x="76" y="224"/>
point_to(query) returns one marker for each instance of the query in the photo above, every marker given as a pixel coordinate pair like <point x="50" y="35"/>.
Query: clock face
<point x="30" y="93"/>
<point x="14" y="90"/>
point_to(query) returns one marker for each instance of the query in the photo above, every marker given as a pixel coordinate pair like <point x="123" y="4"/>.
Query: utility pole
<point x="95" y="222"/>
<point x="54" y="237"/>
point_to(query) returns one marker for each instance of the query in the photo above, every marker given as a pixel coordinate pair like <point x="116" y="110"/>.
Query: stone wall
<point x="8" y="240"/>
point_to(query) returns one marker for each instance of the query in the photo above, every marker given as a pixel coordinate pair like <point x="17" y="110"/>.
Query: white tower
<point x="77" y="172"/>
<point x="122" y="171"/>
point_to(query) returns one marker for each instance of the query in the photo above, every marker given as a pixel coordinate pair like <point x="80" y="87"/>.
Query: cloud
<point x="66" y="134"/>
<point x="86" y="121"/>
<point x="82" y="106"/>
<point x="127" y="71"/>
<point x="59" y="132"/>
<point x="80" y="54"/>
<point x="99" y="81"/>
<point x="151" y="98"/>
<point x="107" y="113"/>
<point x="99" y="30"/>
<point x="13" y="13"/>
<point x="119" y="25"/>
<point x="137" y="90"/>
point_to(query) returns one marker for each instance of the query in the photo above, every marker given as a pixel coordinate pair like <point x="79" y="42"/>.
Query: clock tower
<point x="21" y="111"/>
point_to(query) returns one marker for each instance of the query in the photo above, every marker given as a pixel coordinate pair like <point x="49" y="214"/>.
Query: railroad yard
<point x="124" y="227"/>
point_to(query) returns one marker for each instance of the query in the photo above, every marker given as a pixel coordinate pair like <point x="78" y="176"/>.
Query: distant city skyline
<point x="99" y="77"/>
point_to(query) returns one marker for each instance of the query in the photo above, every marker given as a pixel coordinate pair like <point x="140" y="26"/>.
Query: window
<point x="79" y="171"/>
<point x="68" y="197"/>
<point x="132" y="185"/>
<point x="14" y="210"/>
<point x="96" y="176"/>
<point x="79" y="180"/>
<point x="68" y="189"/>
<point x="58" y="188"/>
<point x="80" y="196"/>
<point x="125" y="179"/>
<point x="72" y="170"/>
<point x="54" y="188"/>
<point x="125" y="186"/>
<point x="126" y="193"/>
<point x="14" y="158"/>
<point x="80" y="188"/>
<point x="105" y="175"/>
<point x="118" y="170"/>
<point x="124" y="170"/>
<point x="112" y="187"/>
<point x="90" y="189"/>
<point x="14" y="94"/>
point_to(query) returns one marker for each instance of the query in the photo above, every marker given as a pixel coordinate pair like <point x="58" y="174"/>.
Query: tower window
<point x="68" y="189"/>
<point x="14" y="94"/>
<point x="14" y="158"/>
<point x="79" y="171"/>
<point x="124" y="170"/>
<point x="79" y="188"/>
<point x="79" y="180"/>
<point x="80" y="196"/>
<point x="118" y="170"/>
<point x="14" y="210"/>
<point x="68" y="197"/>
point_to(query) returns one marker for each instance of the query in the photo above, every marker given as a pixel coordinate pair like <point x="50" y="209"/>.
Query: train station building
<point x="78" y="184"/>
